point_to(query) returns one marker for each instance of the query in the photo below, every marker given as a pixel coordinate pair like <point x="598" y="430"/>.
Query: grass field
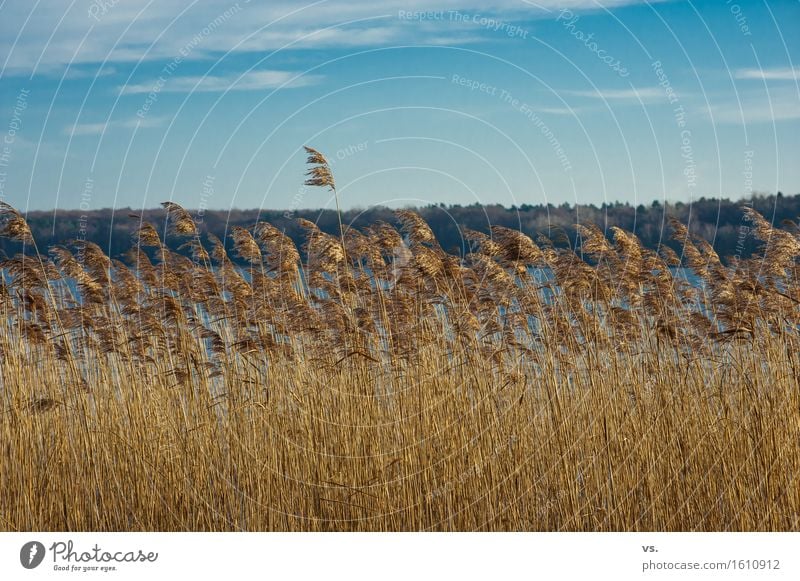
<point x="383" y="384"/>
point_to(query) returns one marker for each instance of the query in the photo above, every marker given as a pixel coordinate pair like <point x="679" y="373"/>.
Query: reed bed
<point x="382" y="384"/>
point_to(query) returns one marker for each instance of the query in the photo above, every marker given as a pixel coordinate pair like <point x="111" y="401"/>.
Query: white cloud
<point x="251" y="81"/>
<point x="775" y="74"/>
<point x="74" y="73"/>
<point x="80" y="129"/>
<point x="757" y="106"/>
<point x="644" y="94"/>
<point x="87" y="128"/>
<point x="561" y="110"/>
<point x="49" y="34"/>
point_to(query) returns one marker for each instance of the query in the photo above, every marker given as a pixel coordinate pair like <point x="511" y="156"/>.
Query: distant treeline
<point x="718" y="221"/>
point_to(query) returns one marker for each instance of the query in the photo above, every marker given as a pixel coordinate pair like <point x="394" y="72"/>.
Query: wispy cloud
<point x="251" y="81"/>
<point x="561" y="110"/>
<point x="86" y="128"/>
<point x="80" y="129"/>
<point x="137" y="30"/>
<point x="757" y="107"/>
<point x="74" y="73"/>
<point x="776" y="74"/>
<point x="634" y="94"/>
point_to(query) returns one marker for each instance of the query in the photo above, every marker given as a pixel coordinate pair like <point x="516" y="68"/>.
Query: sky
<point x="128" y="103"/>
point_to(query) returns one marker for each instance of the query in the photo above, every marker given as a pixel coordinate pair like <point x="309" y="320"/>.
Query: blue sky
<point x="115" y="103"/>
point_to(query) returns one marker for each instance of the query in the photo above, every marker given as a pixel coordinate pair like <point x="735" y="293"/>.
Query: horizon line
<point x="742" y="199"/>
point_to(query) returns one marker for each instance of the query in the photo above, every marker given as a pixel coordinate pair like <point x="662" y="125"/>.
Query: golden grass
<point x="401" y="388"/>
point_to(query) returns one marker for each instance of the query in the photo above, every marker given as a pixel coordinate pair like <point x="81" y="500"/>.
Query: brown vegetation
<point x="388" y="385"/>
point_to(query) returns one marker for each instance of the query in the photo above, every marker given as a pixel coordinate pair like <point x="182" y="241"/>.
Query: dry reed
<point x="386" y="385"/>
